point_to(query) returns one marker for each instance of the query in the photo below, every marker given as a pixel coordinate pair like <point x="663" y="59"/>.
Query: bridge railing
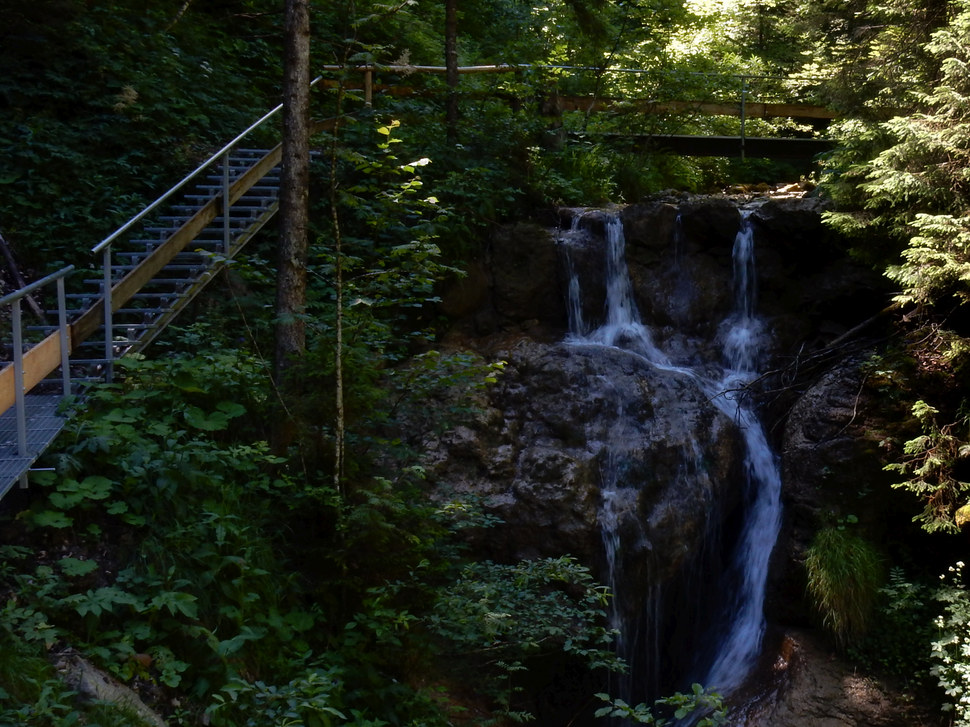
<point x="651" y="102"/>
<point x="31" y="364"/>
<point x="727" y="93"/>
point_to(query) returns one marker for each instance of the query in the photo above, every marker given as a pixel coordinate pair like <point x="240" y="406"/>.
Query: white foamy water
<point x="743" y="338"/>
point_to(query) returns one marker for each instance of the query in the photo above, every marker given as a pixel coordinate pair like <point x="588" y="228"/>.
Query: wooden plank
<point x="39" y="361"/>
<point x="724" y="146"/>
<point x="256" y="172"/>
<point x="754" y="110"/>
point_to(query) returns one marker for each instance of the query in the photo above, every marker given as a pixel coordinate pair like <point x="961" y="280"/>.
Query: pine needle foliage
<point x="930" y="465"/>
<point x="904" y="194"/>
<point x="921" y="182"/>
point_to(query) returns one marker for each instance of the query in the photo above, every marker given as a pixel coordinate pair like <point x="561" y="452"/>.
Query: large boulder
<point x="567" y="423"/>
<point x="832" y="473"/>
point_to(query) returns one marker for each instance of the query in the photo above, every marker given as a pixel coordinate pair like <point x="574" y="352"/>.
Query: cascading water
<point x="577" y="326"/>
<point x="739" y="629"/>
<point x="618" y="502"/>
<point x="622" y="327"/>
<point x="744" y="339"/>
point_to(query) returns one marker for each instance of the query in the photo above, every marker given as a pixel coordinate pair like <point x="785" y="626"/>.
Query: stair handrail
<point x="52" y="352"/>
<point x="104" y="247"/>
<point x="36" y="285"/>
<point x="189" y="177"/>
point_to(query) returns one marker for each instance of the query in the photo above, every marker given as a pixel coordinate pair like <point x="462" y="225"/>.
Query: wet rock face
<point x="537" y="454"/>
<point x="680" y="264"/>
<point x="809" y="686"/>
<point x="515" y="286"/>
<point x="550" y="440"/>
<point x="681" y="267"/>
<point x="525" y="266"/>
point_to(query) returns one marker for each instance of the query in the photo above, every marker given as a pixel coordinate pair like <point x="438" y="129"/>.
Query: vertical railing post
<point x="18" y="383"/>
<point x="108" y="313"/>
<point x="368" y="88"/>
<point x="744" y="100"/>
<point x="225" y="204"/>
<point x="64" y="339"/>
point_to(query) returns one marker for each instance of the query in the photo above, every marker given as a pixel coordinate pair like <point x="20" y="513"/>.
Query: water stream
<point x="738" y="627"/>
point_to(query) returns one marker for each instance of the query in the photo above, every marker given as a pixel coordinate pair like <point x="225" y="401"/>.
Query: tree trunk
<point x="294" y="183"/>
<point x="451" y="67"/>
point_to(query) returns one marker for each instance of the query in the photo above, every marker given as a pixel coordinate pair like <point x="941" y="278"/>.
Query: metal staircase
<point x="150" y="270"/>
<point x="192" y="256"/>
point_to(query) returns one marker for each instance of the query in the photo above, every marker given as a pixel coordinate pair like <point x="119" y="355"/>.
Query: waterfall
<point x="743" y="331"/>
<point x="744" y="339"/>
<point x="622" y="327"/>
<point x="619" y="502"/>
<point x="739" y="630"/>
<point x="574" y="296"/>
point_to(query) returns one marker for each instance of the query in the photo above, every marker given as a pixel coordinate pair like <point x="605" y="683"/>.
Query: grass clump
<point x="844" y="576"/>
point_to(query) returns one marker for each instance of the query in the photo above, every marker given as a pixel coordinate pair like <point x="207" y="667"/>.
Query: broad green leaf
<point x="77" y="567"/>
<point x="213" y="422"/>
<point x="231" y="409"/>
<point x="52" y="519"/>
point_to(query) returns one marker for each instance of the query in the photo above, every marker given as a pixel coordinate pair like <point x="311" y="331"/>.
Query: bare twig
<point x="18" y="279"/>
<point x="178" y="15"/>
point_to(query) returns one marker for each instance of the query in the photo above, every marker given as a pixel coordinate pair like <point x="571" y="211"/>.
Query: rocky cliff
<point x="548" y="441"/>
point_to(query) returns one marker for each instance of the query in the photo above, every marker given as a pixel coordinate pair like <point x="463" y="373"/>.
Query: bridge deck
<point x="727" y="146"/>
<point x="44" y="422"/>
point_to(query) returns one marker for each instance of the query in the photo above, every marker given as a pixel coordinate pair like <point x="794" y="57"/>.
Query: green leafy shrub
<point x="678" y="706"/>
<point x="309" y="700"/>
<point x="844" y="576"/>
<point x="930" y="465"/>
<point x="950" y="653"/>
<point x="494" y="617"/>
<point x="106" y="107"/>
<point x="902" y="627"/>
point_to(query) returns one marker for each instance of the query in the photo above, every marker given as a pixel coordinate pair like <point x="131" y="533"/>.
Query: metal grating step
<point x="44" y="422"/>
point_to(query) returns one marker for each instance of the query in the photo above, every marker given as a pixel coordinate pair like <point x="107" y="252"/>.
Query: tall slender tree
<point x="294" y="185"/>
<point x="451" y="66"/>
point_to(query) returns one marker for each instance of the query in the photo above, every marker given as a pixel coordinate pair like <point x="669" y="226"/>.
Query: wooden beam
<point x="39" y="361"/>
<point x="724" y="146"/>
<point x="441" y="70"/>
<point x="751" y="109"/>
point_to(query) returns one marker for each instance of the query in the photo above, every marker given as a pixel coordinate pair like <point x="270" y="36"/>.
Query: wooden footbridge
<point x="154" y="265"/>
<point x="738" y="97"/>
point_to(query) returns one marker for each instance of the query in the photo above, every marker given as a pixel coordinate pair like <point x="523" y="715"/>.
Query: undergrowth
<point x="173" y="550"/>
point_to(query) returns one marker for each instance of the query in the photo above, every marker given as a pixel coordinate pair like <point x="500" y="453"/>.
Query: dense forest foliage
<point x="237" y="577"/>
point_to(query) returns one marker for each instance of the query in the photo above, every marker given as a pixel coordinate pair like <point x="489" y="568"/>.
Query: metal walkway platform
<point x="44" y="422"/>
